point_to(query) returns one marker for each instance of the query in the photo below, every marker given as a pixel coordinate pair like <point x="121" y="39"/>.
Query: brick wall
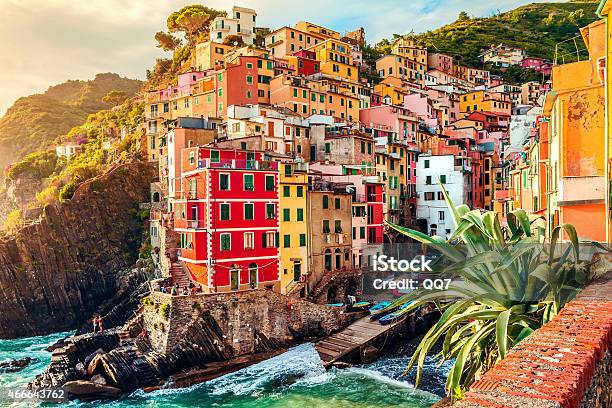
<point x="566" y="363"/>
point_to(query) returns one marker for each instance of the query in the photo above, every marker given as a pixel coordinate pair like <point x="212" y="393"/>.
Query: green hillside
<point x="35" y="121"/>
<point x="537" y="27"/>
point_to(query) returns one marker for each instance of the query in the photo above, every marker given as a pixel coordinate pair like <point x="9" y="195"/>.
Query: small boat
<point x="335" y="304"/>
<point x="379" y="306"/>
<point x="395" y="316"/>
<point x="357" y="306"/>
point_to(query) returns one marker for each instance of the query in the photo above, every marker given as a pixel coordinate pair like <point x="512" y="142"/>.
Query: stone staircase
<point x="178" y="275"/>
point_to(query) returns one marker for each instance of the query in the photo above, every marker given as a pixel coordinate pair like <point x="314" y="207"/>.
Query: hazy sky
<point x="45" y="42"/>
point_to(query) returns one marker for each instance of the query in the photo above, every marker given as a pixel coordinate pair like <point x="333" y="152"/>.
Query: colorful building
<point x="294" y="248"/>
<point x="227" y="218"/>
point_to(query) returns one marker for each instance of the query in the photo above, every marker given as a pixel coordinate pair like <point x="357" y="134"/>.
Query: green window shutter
<point x="286" y="241"/>
<point x="286" y="191"/>
<point x="225" y="212"/>
<point x="300" y="214"/>
<point x="286" y="214"/>
<point x="302" y="240"/>
<point x="248" y="212"/>
<point x="361" y="232"/>
<point x="326" y="227"/>
<point x="270" y="211"/>
<point x="337" y="203"/>
<point x="300" y="191"/>
<point x="337" y="226"/>
<point x="277" y="239"/>
<point x="264" y="240"/>
<point x="269" y="183"/>
<point x="443" y="179"/>
<point x="325" y="202"/>
<point x="248" y="182"/>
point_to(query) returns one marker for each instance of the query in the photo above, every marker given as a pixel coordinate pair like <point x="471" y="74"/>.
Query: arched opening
<point x="156" y="197"/>
<point x="328" y="260"/>
<point x="338" y="254"/>
<point x="433" y="229"/>
<point x="332" y="294"/>
<point x="253" y="280"/>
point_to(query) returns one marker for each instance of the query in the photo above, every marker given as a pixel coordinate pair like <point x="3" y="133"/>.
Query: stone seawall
<point x="565" y="364"/>
<point x="251" y="321"/>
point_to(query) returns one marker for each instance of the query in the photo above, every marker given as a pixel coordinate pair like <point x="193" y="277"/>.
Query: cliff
<point x="57" y="271"/>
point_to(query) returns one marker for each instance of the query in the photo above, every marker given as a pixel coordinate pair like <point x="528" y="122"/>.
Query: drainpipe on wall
<point x="606" y="126"/>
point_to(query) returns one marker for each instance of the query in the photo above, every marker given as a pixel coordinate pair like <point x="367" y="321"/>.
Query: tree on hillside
<point x="115" y="97"/>
<point x="463" y="16"/>
<point x="167" y="42"/>
<point x="193" y="21"/>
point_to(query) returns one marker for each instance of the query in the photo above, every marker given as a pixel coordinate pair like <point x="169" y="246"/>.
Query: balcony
<point x="152" y="115"/>
<point x="238" y="164"/>
<point x="503" y="195"/>
<point x="464" y="168"/>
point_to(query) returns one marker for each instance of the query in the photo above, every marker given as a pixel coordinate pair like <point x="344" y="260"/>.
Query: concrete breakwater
<point x="184" y="338"/>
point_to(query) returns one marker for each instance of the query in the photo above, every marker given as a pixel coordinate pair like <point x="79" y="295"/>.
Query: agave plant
<point x="507" y="285"/>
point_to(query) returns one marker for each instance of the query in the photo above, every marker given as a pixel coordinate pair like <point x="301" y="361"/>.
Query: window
<point x="214" y="156"/>
<point x="302" y="240"/>
<point x="426" y="164"/>
<point x="286" y="191"/>
<point x="327" y="148"/>
<point x="270" y="211"/>
<point x="440" y="195"/>
<point x="325" y="202"/>
<point x="225" y="212"/>
<point x="300" y="191"/>
<point x="429" y="196"/>
<point x="443" y="178"/>
<point x="249" y="240"/>
<point x="226" y="242"/>
<point x="269" y="183"/>
<point x="249" y="211"/>
<point x="337" y="203"/>
<point x="326" y="229"/>
<point x="300" y="214"/>
<point x="248" y="182"/>
<point x="268" y="239"/>
<point x="286" y="214"/>
<point x="428" y="180"/>
<point x="287" y="169"/>
<point x="224" y="181"/>
<point x="338" y="226"/>
<point x="441" y="215"/>
<point x="362" y="232"/>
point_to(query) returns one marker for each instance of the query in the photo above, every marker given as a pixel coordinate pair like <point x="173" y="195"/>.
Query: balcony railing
<point x="152" y="115"/>
<point x="238" y="164"/>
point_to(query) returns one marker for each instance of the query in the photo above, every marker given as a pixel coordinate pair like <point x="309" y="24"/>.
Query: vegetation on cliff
<point x="34" y="122"/>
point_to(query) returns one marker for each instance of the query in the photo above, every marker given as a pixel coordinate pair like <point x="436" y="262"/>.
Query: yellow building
<point x="406" y="47"/>
<point x="335" y="59"/>
<point x="603" y="11"/>
<point x="577" y="140"/>
<point x="401" y="67"/>
<point x="498" y="102"/>
<point x="293" y="225"/>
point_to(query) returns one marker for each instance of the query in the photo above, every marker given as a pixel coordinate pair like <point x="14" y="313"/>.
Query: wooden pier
<point x="357" y="336"/>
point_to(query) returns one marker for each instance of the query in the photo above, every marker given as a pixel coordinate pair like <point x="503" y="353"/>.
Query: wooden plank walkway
<point x="359" y="334"/>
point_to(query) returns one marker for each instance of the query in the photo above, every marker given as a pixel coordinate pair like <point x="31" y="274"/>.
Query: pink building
<point x="441" y="62"/>
<point x="389" y="123"/>
<point x="537" y="64"/>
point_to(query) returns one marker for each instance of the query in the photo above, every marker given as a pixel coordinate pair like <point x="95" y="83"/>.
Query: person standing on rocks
<point x="94" y="320"/>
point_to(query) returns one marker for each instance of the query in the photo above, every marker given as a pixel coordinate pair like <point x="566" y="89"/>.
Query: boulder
<point x="98" y="379"/>
<point x="89" y="390"/>
<point x="13" y="366"/>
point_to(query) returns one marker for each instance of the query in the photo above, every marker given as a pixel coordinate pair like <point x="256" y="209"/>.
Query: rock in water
<point x="13" y="366"/>
<point x="89" y="390"/>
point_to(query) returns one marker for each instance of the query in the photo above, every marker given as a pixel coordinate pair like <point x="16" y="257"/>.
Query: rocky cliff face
<point x="56" y="272"/>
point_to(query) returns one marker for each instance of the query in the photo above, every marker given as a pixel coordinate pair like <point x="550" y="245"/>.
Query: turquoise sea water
<point x="294" y="379"/>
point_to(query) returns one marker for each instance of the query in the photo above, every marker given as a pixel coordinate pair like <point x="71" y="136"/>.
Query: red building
<point x="227" y="218"/>
<point x="537" y="64"/>
<point x="305" y="62"/>
<point x="374" y="200"/>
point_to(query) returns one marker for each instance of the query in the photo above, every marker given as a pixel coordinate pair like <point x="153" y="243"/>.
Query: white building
<point x="68" y="150"/>
<point x="455" y="174"/>
<point x="503" y="55"/>
<point x="240" y="21"/>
